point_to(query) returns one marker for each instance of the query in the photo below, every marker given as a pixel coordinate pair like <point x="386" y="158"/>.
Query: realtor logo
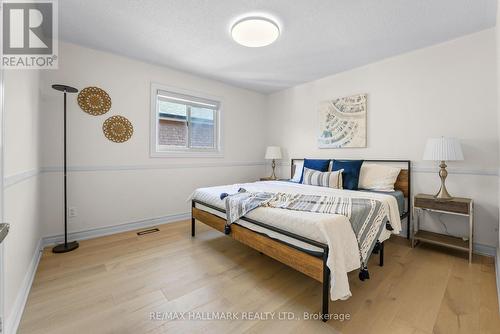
<point x="29" y="39"/>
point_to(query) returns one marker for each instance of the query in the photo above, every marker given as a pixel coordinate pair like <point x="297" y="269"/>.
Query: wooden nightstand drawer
<point x="269" y="179"/>
<point x="457" y="205"/>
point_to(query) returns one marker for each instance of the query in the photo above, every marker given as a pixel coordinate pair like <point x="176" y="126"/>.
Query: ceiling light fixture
<point x="255" y="32"/>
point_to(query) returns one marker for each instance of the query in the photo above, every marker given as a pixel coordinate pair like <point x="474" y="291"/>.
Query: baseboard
<point x="479" y="249"/>
<point x="108" y="230"/>
<point x="497" y="272"/>
<point x="484" y="250"/>
<point x="148" y="222"/>
<point x="12" y="322"/>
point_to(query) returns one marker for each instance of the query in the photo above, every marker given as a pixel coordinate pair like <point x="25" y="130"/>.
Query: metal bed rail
<point x="323" y="255"/>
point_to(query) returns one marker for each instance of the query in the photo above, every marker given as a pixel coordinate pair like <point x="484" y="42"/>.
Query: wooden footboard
<point x="305" y="263"/>
<point x="312" y="266"/>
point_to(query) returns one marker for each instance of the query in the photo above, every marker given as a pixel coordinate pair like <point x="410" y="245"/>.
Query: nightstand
<point x="456" y="206"/>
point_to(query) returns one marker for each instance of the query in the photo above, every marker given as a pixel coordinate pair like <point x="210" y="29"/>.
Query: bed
<point x="322" y="246"/>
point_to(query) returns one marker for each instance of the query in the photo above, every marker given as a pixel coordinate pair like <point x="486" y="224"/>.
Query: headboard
<point x="403" y="182"/>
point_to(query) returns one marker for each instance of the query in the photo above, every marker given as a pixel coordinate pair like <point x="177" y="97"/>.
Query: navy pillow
<point x="316" y="164"/>
<point x="350" y="176"/>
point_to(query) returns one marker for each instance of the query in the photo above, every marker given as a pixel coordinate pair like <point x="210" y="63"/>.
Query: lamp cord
<point x="443" y="223"/>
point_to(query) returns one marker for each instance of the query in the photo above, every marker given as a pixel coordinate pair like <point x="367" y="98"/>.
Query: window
<point x="184" y="124"/>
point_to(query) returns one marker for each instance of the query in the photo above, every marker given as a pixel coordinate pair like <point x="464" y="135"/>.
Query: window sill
<point x="186" y="154"/>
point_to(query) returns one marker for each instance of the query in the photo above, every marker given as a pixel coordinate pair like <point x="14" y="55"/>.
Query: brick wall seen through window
<point x="185" y="123"/>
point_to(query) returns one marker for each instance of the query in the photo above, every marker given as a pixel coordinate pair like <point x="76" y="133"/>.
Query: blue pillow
<point x="316" y="164"/>
<point x="350" y="176"/>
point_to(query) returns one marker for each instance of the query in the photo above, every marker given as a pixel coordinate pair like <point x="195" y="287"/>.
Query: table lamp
<point x="273" y="153"/>
<point x="443" y="149"/>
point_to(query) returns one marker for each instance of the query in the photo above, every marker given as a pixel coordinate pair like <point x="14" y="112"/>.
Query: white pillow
<point x="378" y="177"/>
<point x="323" y="179"/>
<point x="299" y="165"/>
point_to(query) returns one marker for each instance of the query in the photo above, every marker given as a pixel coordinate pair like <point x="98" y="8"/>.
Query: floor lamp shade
<point x="66" y="246"/>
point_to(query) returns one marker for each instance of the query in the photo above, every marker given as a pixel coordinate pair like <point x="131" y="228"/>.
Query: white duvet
<point x="331" y="229"/>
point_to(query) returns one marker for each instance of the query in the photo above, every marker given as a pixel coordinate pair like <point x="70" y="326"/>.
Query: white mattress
<point x="331" y="229"/>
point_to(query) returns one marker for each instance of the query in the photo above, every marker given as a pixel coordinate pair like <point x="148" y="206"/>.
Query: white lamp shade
<point x="273" y="152"/>
<point x="443" y="149"/>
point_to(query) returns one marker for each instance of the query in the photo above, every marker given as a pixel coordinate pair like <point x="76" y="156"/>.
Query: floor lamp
<point x="66" y="246"/>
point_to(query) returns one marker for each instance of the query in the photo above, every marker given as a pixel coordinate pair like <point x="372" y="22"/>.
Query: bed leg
<point x="326" y="287"/>
<point x="408" y="226"/>
<point x="193" y="227"/>
<point x="381" y="254"/>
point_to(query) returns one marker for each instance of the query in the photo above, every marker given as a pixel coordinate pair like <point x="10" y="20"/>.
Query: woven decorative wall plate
<point x="117" y="129"/>
<point x="94" y="101"/>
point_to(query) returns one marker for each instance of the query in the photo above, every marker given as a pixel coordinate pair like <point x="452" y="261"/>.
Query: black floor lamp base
<point x="64" y="248"/>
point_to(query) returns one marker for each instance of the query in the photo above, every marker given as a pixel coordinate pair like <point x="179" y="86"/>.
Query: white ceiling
<point x="319" y="37"/>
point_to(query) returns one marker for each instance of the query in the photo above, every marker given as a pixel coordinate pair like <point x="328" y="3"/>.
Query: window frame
<point x="158" y="151"/>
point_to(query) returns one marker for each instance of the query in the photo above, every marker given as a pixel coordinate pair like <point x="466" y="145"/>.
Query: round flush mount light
<point x="255" y="32"/>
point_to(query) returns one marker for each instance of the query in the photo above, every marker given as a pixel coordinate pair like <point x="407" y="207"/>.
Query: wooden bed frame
<point x="312" y="265"/>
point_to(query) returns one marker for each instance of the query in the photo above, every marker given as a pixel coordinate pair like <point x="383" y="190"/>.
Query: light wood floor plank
<point x="112" y="284"/>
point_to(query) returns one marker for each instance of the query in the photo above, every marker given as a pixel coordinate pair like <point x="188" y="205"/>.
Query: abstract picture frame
<point x="343" y="122"/>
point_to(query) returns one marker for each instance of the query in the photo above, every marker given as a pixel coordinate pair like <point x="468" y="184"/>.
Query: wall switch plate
<point x="72" y="212"/>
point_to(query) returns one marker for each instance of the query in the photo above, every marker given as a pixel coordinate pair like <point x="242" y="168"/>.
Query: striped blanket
<point x="368" y="217"/>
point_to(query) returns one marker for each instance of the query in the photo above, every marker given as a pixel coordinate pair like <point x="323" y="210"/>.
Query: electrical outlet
<point x="72" y="212"/>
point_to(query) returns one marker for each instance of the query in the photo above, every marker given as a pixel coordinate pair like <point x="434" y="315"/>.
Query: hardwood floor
<point x="111" y="284"/>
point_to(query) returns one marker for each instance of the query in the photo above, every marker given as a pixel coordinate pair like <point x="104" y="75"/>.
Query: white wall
<point x="22" y="187"/>
<point x="497" y="31"/>
<point x="443" y="90"/>
<point x="448" y="89"/>
<point x="114" y="183"/>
